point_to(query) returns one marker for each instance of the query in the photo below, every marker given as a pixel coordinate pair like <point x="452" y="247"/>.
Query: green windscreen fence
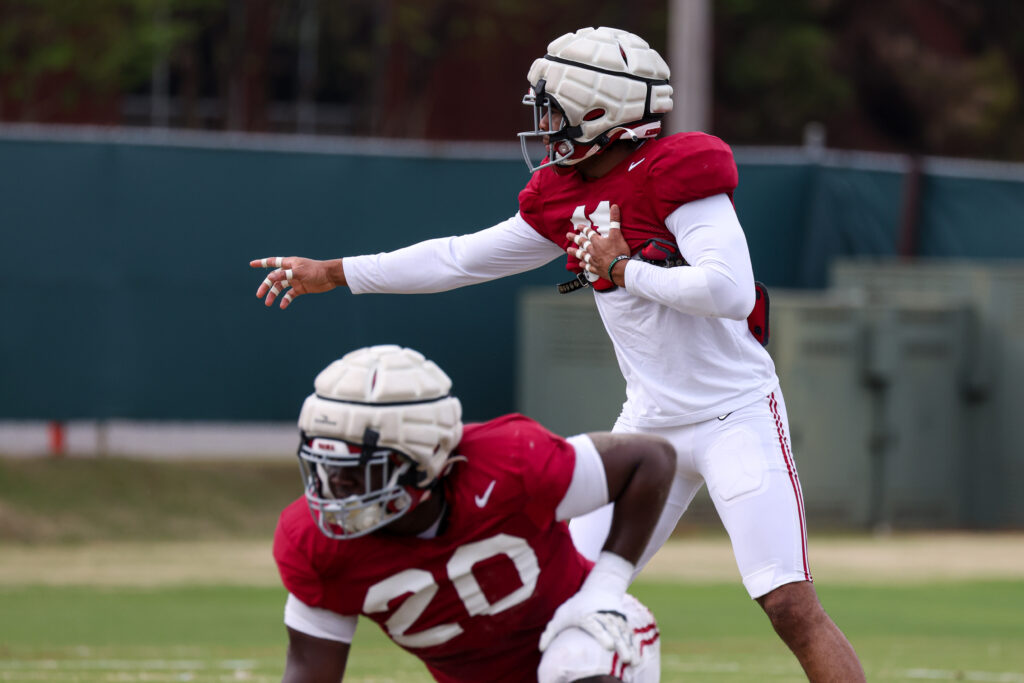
<point x="972" y="218"/>
<point x="127" y="291"/>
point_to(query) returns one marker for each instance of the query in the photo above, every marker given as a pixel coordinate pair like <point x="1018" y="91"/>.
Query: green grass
<point x="972" y="631"/>
<point x="74" y="500"/>
<point x="951" y="631"/>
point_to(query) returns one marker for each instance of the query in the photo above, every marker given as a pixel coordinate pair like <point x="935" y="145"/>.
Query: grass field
<point x="118" y="589"/>
<point x="970" y="631"/>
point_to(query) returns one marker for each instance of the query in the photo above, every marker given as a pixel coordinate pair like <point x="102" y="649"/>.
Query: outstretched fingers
<point x="280" y="285"/>
<point x="277" y="282"/>
<point x="269" y="262"/>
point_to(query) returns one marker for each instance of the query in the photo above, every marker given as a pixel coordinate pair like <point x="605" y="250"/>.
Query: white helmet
<point x="606" y="84"/>
<point x="381" y="418"/>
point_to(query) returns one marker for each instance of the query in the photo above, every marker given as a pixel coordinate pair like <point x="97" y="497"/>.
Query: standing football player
<point x="649" y="224"/>
<point x="451" y="537"/>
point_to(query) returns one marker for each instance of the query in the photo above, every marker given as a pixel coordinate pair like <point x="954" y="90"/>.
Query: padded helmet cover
<point x="395" y="392"/>
<point x="602" y="79"/>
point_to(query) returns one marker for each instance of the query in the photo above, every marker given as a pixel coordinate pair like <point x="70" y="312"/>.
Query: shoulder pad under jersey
<point x="689" y="166"/>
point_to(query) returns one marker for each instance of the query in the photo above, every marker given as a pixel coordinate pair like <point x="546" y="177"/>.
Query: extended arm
<point x="450" y="262"/>
<point x="432" y="266"/>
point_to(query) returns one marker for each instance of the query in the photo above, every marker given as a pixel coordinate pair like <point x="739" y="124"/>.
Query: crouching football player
<point x="452" y="537"/>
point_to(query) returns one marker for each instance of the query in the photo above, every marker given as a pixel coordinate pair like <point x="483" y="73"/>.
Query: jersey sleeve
<point x="446" y="263"/>
<point x="531" y="205"/>
<point x="548" y="462"/>
<point x="319" y="622"/>
<point x="295" y="567"/>
<point x="588" y="489"/>
<point x="690" y="166"/>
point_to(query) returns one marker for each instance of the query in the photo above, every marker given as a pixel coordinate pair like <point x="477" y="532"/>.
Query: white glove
<point x="597" y="608"/>
<point x="612" y="631"/>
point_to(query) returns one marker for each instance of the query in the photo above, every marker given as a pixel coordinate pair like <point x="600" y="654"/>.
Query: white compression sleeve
<point x="720" y="279"/>
<point x="318" y="622"/>
<point x="588" y="489"/>
<point x="445" y="263"/>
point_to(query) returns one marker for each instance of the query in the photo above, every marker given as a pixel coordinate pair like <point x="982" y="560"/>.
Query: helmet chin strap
<point x="603" y="141"/>
<point x="567" y="160"/>
<point x="641" y="132"/>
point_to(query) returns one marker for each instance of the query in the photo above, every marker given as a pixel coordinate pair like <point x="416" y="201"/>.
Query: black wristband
<point x="620" y="257"/>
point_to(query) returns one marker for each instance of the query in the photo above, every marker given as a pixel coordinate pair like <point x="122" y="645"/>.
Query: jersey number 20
<point x="420" y="583"/>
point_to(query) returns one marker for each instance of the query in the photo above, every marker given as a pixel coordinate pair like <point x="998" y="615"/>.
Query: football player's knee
<point x="569" y="657"/>
<point x="792" y="607"/>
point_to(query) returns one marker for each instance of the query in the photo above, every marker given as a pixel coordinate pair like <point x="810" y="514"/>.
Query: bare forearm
<point x="314" y="660"/>
<point x="637" y="510"/>
<point x="336" y="272"/>
<point x="639" y="469"/>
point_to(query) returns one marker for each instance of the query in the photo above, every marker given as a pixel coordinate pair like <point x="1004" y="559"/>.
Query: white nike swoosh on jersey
<point x="635" y="164"/>
<point x="482" y="500"/>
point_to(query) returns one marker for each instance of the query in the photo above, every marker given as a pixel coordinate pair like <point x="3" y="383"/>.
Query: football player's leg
<point x="574" y="655"/>
<point x="590" y="531"/>
<point x="753" y="482"/>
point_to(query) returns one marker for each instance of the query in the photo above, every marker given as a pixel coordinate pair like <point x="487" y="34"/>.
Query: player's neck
<point x="603" y="163"/>
<point x="425" y="515"/>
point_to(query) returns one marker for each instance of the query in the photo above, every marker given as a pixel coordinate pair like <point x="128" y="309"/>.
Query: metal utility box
<point x="989" y="398"/>
<point x="918" y="355"/>
<point x="872" y="392"/>
<point x="875" y="390"/>
<point x="818" y="345"/>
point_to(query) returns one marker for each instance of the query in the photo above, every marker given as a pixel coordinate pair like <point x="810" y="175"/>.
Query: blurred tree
<point x="68" y="60"/>
<point x="454" y="68"/>
<point x="926" y="79"/>
<point x="775" y="70"/>
<point x="920" y="76"/>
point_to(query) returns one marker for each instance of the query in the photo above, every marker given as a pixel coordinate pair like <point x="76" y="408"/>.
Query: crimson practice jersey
<point x="660" y="176"/>
<point x="473" y="601"/>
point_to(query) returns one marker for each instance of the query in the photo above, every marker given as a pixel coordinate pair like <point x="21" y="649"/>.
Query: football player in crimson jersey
<point x="649" y="224"/>
<point x="452" y="537"/>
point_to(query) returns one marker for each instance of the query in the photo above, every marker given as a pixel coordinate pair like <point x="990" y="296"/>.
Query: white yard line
<point x="946" y="675"/>
<point x="126" y="664"/>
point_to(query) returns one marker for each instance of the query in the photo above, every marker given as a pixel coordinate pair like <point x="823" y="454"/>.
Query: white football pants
<point x="746" y="461"/>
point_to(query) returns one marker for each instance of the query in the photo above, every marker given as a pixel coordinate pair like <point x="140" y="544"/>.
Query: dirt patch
<point x="896" y="558"/>
<point x="911" y="558"/>
<point x="247" y="563"/>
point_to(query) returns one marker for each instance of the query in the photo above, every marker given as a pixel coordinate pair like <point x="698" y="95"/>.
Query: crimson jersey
<point x="473" y="601"/>
<point x="659" y="177"/>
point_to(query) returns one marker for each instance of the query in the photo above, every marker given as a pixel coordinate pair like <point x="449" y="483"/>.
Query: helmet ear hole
<point x="593" y="114"/>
